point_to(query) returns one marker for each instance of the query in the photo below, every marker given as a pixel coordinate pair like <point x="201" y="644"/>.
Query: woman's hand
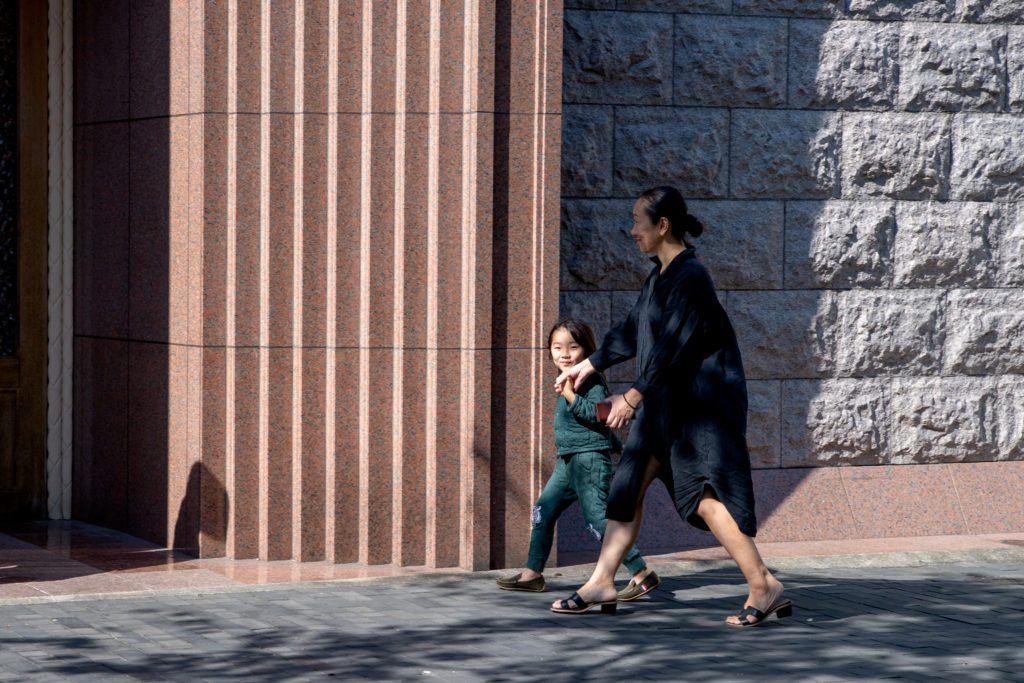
<point x="576" y="373"/>
<point x="622" y="410"/>
<point x="620" y="414"/>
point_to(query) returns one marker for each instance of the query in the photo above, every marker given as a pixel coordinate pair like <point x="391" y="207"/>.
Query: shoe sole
<point x="606" y="608"/>
<point x="525" y="590"/>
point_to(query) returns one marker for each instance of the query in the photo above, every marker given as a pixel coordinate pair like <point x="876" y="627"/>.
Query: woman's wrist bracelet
<point x="633" y="407"/>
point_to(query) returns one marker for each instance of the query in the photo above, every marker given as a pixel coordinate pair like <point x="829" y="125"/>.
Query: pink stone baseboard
<point x="800" y="505"/>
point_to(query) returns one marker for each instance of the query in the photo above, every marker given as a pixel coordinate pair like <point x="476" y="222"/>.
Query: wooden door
<point x="23" y="229"/>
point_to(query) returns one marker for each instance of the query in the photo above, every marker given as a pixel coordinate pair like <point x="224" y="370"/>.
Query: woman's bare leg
<point x="764" y="589"/>
<point x="619" y="537"/>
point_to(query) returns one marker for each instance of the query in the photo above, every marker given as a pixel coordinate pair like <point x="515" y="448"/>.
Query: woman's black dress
<point x="693" y="418"/>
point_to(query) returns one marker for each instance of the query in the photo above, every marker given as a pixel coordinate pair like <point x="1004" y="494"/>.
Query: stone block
<point x="903" y="156"/>
<point x="790" y="8"/>
<point x="593" y="308"/>
<point x="763" y="423"/>
<point x="587" y="150"/>
<point x="596" y="249"/>
<point x="783" y="334"/>
<point x="888" y="332"/>
<point x="1015" y="68"/>
<point x="785" y="154"/>
<point x="946" y="243"/>
<point x="952" y="68"/>
<point x="1011" y="249"/>
<point x="843" y="65"/>
<point x="1010" y="415"/>
<point x="903" y="10"/>
<point x="589" y="4"/>
<point x="730" y="61"/>
<point x="839" y="244"/>
<point x="622" y="303"/>
<point x="990" y="11"/>
<point x="740" y="243"/>
<point x="985" y="332"/>
<point x="623" y="374"/>
<point x="687" y="148"/>
<point x="988" y="157"/>
<point x="690" y="6"/>
<point x="834" y="422"/>
<point x="617" y="58"/>
<point x="948" y="419"/>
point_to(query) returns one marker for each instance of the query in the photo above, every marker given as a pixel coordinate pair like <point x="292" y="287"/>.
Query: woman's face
<point x="565" y="351"/>
<point x="647" y="234"/>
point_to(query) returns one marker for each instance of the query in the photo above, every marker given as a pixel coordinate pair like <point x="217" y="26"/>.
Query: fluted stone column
<point x="337" y="227"/>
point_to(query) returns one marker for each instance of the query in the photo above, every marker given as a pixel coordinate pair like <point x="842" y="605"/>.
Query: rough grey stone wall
<point x="859" y="165"/>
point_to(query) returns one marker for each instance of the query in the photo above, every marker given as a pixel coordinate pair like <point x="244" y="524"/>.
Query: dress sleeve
<point x="583" y="408"/>
<point x="679" y="339"/>
<point x="620" y="342"/>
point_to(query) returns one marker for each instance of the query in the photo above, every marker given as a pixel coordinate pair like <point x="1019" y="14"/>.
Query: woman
<point x="689" y="403"/>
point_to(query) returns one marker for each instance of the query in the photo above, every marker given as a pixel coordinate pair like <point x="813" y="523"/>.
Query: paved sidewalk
<point x="959" y="621"/>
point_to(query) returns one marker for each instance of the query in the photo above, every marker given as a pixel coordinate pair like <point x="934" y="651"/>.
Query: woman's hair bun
<point x="693" y="225"/>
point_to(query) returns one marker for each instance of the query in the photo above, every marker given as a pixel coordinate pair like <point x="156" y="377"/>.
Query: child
<point x="583" y="470"/>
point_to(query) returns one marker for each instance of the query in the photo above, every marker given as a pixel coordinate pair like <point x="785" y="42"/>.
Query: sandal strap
<point x="580" y="602"/>
<point x="750" y="611"/>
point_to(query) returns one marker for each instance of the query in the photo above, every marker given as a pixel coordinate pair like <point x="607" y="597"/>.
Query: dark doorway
<point x="22" y="258"/>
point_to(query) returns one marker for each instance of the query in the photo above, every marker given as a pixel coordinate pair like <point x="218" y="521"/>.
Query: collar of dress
<point x="685" y="254"/>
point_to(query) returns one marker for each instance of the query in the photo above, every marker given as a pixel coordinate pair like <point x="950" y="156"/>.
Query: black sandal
<point x="781" y="610"/>
<point x="607" y="607"/>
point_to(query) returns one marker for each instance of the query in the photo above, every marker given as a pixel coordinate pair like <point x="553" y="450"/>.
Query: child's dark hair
<point x="581" y="334"/>
<point x="666" y="201"/>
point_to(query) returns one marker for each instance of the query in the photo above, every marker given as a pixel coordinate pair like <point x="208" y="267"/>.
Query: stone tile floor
<point x="920" y="610"/>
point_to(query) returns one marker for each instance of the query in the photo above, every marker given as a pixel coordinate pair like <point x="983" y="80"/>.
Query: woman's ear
<point x="664" y="226"/>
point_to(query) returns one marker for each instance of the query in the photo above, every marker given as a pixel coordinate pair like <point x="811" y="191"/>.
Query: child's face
<point x="565" y="351"/>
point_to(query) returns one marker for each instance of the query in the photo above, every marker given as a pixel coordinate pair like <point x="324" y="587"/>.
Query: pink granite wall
<point x="317" y="256"/>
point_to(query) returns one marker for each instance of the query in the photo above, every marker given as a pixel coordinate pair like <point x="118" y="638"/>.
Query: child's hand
<point x="577" y="373"/>
<point x="567" y="390"/>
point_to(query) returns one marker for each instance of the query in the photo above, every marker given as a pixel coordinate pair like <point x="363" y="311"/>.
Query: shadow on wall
<point x="203" y="511"/>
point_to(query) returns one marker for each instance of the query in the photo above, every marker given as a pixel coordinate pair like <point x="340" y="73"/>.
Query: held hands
<point x="621" y="412"/>
<point x="576" y="373"/>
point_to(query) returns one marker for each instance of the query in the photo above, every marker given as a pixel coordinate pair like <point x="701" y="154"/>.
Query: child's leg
<point x="557" y="495"/>
<point x="591" y="476"/>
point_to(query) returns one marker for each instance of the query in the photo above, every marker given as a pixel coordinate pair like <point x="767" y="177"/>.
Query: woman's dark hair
<point x="666" y="202"/>
<point x="581" y="334"/>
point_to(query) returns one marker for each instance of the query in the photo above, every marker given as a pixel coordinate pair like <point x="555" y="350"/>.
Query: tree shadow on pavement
<point x="932" y="626"/>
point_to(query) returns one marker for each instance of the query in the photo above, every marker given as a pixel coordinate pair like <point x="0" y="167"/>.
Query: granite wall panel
<point x="338" y="251"/>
